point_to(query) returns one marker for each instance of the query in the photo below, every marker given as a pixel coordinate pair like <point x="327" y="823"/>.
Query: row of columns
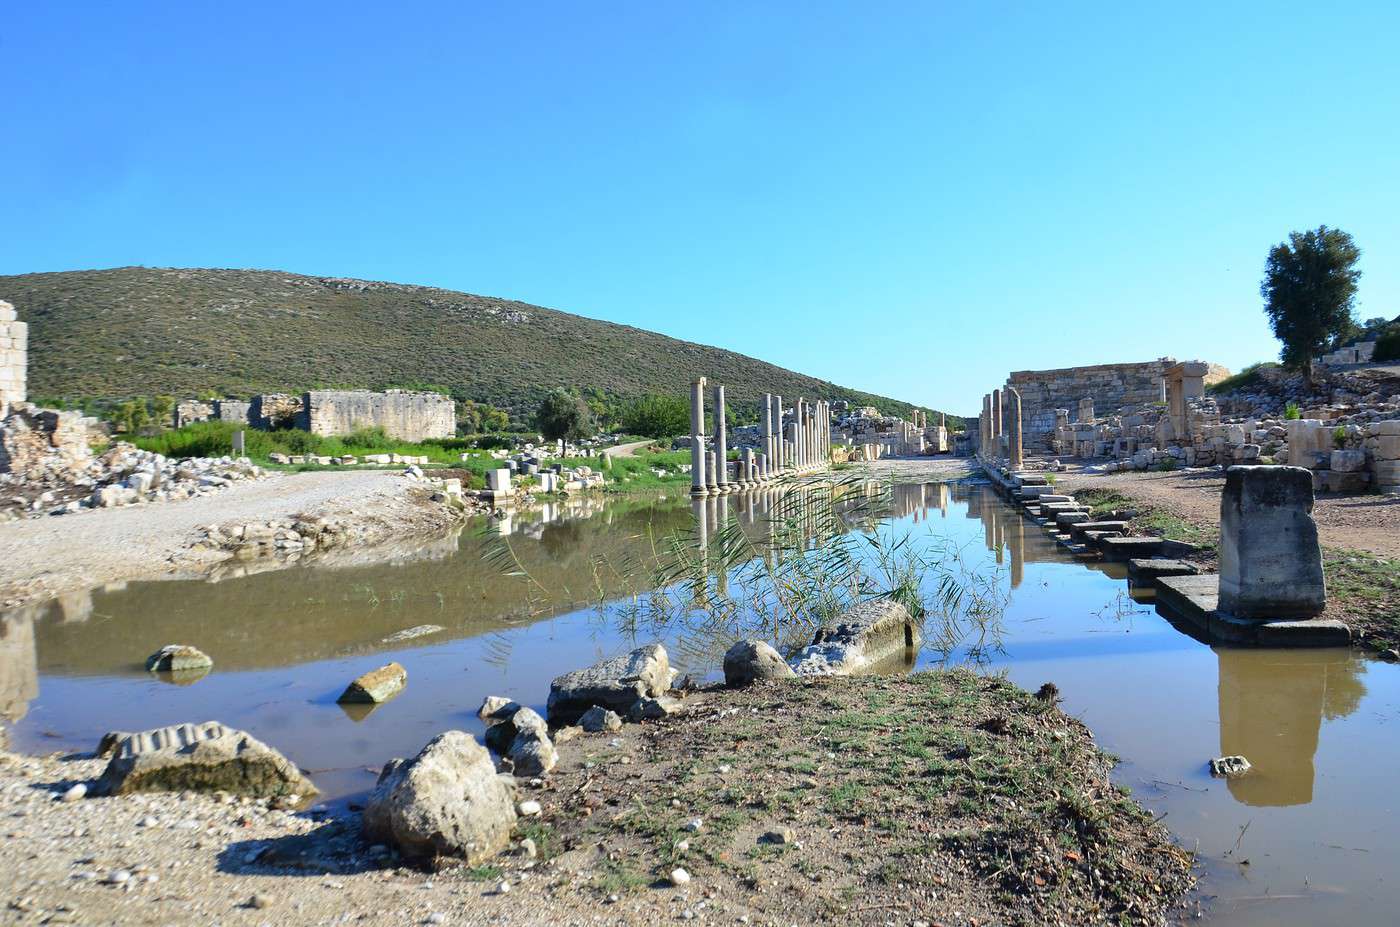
<point x="1000" y="427"/>
<point x="798" y="446"/>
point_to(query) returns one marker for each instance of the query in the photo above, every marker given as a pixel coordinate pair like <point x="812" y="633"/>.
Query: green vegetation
<point x="215" y="439"/>
<point x="657" y="416"/>
<point x="1388" y="346"/>
<point x="238" y="332"/>
<point x="1148" y="519"/>
<point x="1250" y="378"/>
<point x="1309" y="289"/>
<point x="1291" y="411"/>
<point x="564" y="414"/>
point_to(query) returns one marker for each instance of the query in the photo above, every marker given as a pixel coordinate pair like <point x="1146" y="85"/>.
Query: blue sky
<point x="913" y="199"/>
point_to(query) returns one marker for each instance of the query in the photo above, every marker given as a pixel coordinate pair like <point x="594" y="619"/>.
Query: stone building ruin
<point x="14" y="352"/>
<point x="402" y="414"/>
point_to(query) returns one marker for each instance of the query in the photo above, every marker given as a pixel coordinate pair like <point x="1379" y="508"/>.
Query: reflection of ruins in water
<point x="1272" y="705"/>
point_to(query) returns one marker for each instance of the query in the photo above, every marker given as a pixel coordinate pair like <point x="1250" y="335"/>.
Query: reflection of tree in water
<point x="1272" y="703"/>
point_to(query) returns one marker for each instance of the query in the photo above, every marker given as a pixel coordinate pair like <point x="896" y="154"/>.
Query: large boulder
<point x="615" y="684"/>
<point x="446" y="801"/>
<point x="752" y="661"/>
<point x="199" y="757"/>
<point x="873" y="635"/>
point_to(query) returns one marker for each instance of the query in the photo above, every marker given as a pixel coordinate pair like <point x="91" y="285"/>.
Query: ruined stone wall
<point x="275" y="410"/>
<point x="1110" y="386"/>
<point x="14" y="354"/>
<point x="403" y="415"/>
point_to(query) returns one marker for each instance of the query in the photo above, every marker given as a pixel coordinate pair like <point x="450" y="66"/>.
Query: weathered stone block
<point x="200" y="757"/>
<point x="1348" y="461"/>
<point x="378" y="685"/>
<point x="753" y="660"/>
<point x="1270" y="560"/>
<point x="870" y="635"/>
<point x="615" y="684"/>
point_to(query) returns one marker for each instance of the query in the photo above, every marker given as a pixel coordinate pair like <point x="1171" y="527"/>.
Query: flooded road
<point x="1306" y="838"/>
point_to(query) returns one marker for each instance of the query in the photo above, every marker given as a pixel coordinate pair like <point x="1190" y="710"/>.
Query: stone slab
<point x="1120" y="548"/>
<point x="1195" y="599"/>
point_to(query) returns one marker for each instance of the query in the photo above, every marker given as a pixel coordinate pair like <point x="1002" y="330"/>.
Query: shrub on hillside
<point x="1388" y="346"/>
<point x="564" y="415"/>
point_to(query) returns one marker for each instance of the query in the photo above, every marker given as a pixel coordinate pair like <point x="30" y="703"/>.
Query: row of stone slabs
<point x="1181" y="591"/>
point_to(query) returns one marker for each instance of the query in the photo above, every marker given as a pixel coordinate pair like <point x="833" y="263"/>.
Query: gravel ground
<point x="1366" y="522"/>
<point x="939" y="798"/>
<point x="40" y="558"/>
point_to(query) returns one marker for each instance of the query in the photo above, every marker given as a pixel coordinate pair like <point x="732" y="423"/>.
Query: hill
<point x="143" y="331"/>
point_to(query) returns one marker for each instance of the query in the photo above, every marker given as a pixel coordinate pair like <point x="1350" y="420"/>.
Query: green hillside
<point x="142" y="331"/>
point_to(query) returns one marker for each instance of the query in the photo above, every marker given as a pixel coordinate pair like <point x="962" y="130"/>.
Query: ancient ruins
<point x="402" y="414"/>
<point x="1158" y="416"/>
<point x="799" y="443"/>
<point x="14" y="353"/>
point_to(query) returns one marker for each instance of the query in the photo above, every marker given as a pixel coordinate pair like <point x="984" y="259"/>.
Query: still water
<point x="1307" y="838"/>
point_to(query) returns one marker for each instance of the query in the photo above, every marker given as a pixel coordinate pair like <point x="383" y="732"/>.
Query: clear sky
<point x="913" y="198"/>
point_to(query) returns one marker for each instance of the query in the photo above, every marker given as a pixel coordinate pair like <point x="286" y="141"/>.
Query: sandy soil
<point x="1367" y="522"/>
<point x="44" y="557"/>
<point x="945" y="798"/>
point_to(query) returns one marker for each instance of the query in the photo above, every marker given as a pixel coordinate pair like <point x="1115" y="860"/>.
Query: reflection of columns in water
<point x="943" y="499"/>
<point x="19" y="667"/>
<point x="1016" y="542"/>
<point x="1272" y="703"/>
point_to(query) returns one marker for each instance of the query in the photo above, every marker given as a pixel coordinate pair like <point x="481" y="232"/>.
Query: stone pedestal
<point x="1270" y="560"/>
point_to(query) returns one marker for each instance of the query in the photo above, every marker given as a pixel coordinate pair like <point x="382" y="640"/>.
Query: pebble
<point x="614" y="899"/>
<point x="682" y="846"/>
<point x="437" y="917"/>
<point x="779" y="835"/>
<point x="694" y="825"/>
<point x="503" y="887"/>
<point x="147" y="821"/>
<point x="259" y="901"/>
<point x="118" y="877"/>
<point x="76" y="793"/>
<point x="527" y="846"/>
<point x="528" y="808"/>
<point x="679" y="876"/>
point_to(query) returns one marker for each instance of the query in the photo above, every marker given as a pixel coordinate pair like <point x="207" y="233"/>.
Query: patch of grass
<point x="1250" y="378"/>
<point x="1365" y="589"/>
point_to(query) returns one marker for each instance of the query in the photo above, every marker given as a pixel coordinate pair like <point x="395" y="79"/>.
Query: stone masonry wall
<point x="403" y="415"/>
<point x="1111" y="386"/>
<point x="14" y="353"/>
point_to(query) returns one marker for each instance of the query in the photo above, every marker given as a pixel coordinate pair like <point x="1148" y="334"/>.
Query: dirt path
<point x="1369" y="523"/>
<point x="626" y="450"/>
<point x="47" y="556"/>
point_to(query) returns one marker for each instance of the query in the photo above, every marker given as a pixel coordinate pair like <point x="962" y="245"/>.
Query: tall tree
<point x="1309" y="289"/>
<point x="564" y="415"/>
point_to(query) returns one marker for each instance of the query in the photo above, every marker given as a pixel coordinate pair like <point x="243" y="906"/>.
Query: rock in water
<point x="870" y="636"/>
<point x="446" y="801"/>
<point x="1228" y="767"/>
<point x="751" y="661"/>
<point x="598" y="719"/>
<point x="178" y="658"/>
<point x="200" y="757"/>
<point x="376" y="686"/>
<point x="616" y="684"/>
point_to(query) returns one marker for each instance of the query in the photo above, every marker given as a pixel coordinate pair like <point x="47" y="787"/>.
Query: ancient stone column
<point x="775" y="453"/>
<point x="765" y="424"/>
<point x="697" y="437"/>
<point x="1086" y="410"/>
<point x="711" y="475"/>
<point x="997" y="429"/>
<point x="1013" y="442"/>
<point x="721" y="439"/>
<point x="1270" y="560"/>
<point x="747" y="476"/>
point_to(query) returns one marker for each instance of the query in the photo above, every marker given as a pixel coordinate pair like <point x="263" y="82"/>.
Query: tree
<point x="657" y="416"/>
<point x="494" y="419"/>
<point x="163" y="410"/>
<point x="1388" y="346"/>
<point x="564" y="415"/>
<point x="1309" y="288"/>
